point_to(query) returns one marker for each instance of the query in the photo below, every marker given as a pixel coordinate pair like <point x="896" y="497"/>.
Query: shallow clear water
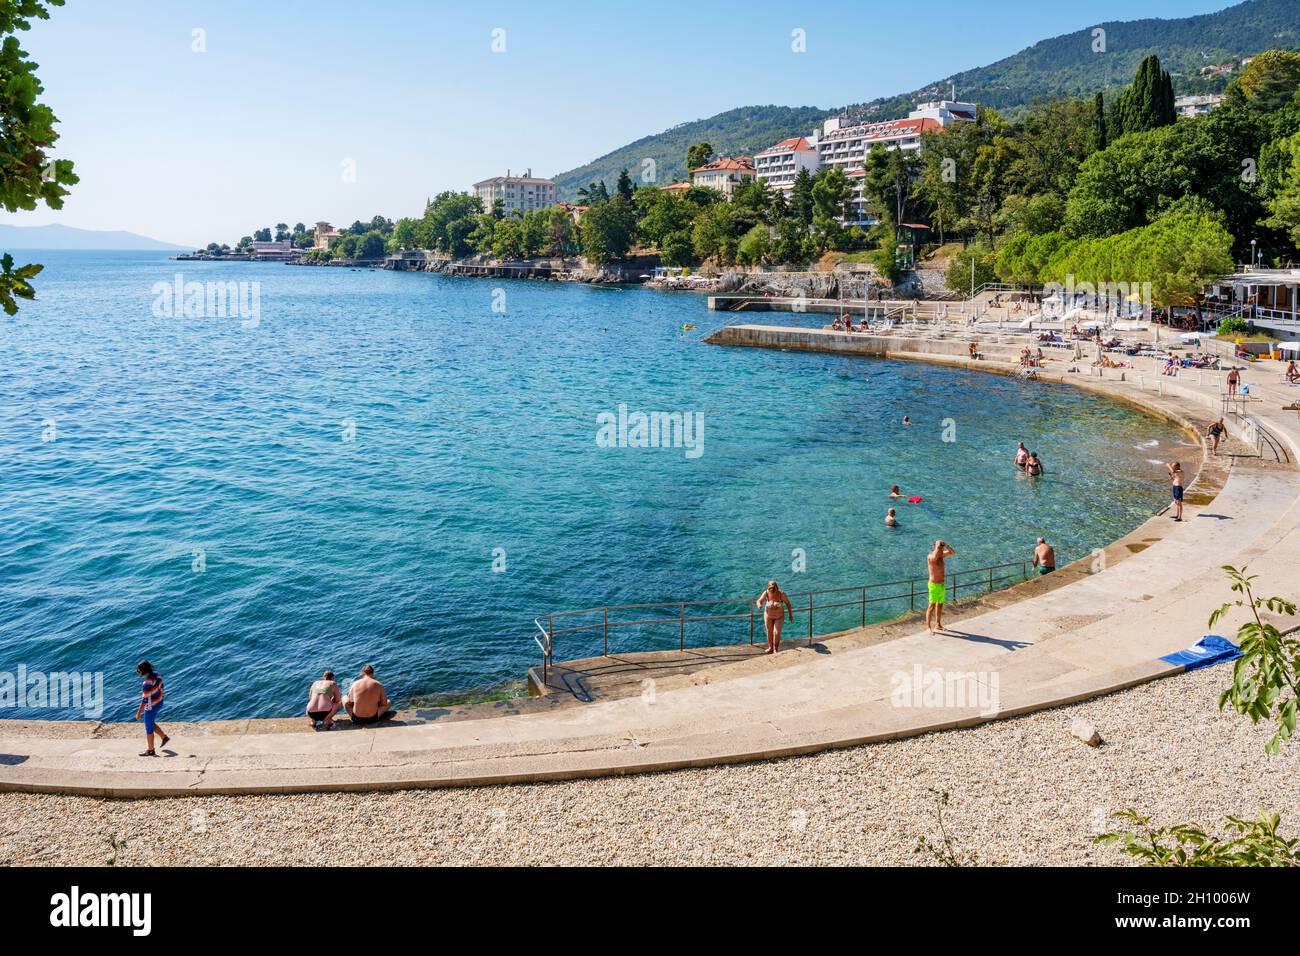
<point x="475" y="430"/>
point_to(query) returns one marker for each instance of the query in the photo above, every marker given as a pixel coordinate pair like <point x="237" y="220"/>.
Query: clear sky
<point x="192" y="147"/>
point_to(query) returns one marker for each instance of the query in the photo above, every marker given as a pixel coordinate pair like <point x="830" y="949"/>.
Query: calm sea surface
<point x="384" y="469"/>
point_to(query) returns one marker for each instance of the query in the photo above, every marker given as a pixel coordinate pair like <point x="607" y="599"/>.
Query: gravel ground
<point x="1022" y="791"/>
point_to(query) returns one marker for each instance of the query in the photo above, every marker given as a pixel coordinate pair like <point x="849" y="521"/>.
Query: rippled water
<point x="246" y="506"/>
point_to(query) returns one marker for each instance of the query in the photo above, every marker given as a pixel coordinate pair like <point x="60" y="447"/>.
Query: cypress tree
<point x="1099" y="120"/>
<point x="1149" y="102"/>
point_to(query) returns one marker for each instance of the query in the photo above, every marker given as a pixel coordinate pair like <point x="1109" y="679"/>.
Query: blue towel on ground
<point x="1211" y="649"/>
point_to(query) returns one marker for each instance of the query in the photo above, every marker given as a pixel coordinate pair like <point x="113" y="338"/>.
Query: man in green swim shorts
<point x="935" y="560"/>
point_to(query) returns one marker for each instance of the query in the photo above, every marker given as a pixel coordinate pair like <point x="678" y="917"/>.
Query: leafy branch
<point x="945" y="850"/>
<point x="1246" y="843"/>
<point x="1266" y="678"/>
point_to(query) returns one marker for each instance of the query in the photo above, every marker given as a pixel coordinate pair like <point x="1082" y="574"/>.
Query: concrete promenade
<point x="1093" y="627"/>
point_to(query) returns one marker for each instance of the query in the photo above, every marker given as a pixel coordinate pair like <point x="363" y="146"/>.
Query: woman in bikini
<point x="776" y="605"/>
<point x="323" y="702"/>
<point x="1215" y="431"/>
<point x="1033" y="467"/>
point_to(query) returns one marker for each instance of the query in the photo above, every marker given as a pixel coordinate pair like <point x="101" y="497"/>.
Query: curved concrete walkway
<point x="1091" y="628"/>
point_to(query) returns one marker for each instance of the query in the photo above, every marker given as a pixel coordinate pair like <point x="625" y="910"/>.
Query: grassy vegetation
<point x="1246" y="337"/>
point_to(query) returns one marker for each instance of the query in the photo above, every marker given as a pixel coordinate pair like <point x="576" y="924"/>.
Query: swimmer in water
<point x="1033" y="467"/>
<point x="907" y="420"/>
<point x="891" y="520"/>
<point x="894" y="492"/>
<point x="1022" y="456"/>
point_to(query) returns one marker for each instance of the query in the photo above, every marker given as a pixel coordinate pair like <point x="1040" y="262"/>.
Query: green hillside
<point x="739" y="132"/>
<point x="1064" y="65"/>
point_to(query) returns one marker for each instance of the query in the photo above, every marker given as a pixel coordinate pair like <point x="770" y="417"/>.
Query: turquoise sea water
<point x="246" y="506"/>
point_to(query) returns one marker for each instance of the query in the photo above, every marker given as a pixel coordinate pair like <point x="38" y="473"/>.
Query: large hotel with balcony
<point x="847" y="147"/>
<point x="517" y="192"/>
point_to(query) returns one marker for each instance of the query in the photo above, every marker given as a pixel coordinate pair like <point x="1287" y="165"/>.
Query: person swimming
<point x="1033" y="467"/>
<point x="1022" y="456"/>
<point x="907" y="420"/>
<point x="894" y="492"/>
<point x="891" y="519"/>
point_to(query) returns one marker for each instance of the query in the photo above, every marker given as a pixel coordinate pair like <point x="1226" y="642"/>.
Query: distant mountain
<point x="1068" y="66"/>
<point x="1064" y="65"/>
<point x="68" y="237"/>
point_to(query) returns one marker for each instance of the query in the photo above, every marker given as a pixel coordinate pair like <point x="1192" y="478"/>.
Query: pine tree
<point x="624" y="186"/>
<point x="801" y="196"/>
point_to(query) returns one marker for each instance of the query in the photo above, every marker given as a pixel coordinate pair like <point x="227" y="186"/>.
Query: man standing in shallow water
<point x="936" y="597"/>
<point x="1044" y="557"/>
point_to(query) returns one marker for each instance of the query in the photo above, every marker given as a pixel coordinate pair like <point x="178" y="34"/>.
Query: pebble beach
<point x="1021" y="791"/>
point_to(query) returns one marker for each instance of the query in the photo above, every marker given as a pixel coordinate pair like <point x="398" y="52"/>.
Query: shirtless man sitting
<point x="366" y="702"/>
<point x="1044" y="557"/>
<point x="936" y="592"/>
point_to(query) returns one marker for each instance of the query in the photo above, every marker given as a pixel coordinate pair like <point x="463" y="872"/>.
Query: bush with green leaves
<point x="1244" y="843"/>
<point x="1266" y="678"/>
<point x="1234" y="326"/>
<point x="1265" y="687"/>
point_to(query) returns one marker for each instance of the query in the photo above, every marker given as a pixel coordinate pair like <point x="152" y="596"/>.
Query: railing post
<point x="681" y="627"/>
<point x="606" y="654"/>
<point x="864" y="607"/>
<point x="549" y="659"/>
<point x="990" y="579"/>
<point x="751" y="624"/>
<point x="810" y="618"/>
<point x="912" y="597"/>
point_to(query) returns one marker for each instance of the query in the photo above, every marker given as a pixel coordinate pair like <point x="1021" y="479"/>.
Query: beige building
<point x="324" y="233"/>
<point x="723" y="174"/>
<point x="521" y="193"/>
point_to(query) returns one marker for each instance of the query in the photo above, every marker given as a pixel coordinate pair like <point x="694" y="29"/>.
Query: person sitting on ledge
<point x="366" y="702"/>
<point x="323" y="702"/>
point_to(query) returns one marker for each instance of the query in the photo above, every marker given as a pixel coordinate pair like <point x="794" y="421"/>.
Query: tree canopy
<point x="28" y="175"/>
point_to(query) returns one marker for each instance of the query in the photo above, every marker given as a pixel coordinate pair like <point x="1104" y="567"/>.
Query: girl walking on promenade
<point x="151" y="701"/>
<point x="776" y="605"/>
<point x="1176" y="476"/>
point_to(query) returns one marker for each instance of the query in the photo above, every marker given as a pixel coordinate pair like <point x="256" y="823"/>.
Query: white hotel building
<point x="780" y="164"/>
<point x="517" y="192"/>
<point x="847" y="147"/>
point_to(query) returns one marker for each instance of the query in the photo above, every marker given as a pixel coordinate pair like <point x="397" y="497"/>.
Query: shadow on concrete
<point x="984" y="639"/>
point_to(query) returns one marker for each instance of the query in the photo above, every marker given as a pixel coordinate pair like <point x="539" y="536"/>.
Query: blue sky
<point x="194" y="146"/>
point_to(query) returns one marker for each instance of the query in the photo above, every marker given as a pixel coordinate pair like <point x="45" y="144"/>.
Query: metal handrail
<point x="985" y="580"/>
<point x="1260" y="436"/>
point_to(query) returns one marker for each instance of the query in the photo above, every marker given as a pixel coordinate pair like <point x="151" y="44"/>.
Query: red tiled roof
<point x="887" y="130"/>
<point x="727" y="164"/>
<point x="797" y="144"/>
